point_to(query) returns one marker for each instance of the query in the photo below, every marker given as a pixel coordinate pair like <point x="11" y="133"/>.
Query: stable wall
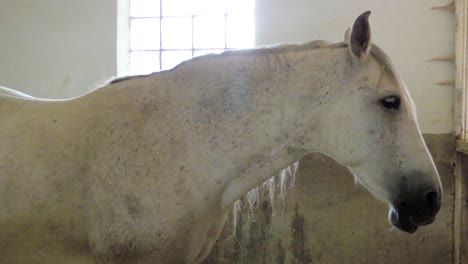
<point x="57" y="48"/>
<point x="326" y="219"/>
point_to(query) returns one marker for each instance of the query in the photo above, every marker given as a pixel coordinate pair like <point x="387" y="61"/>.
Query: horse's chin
<point x="402" y="221"/>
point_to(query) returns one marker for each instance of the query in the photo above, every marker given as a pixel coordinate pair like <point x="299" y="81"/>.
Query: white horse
<point x="145" y="169"/>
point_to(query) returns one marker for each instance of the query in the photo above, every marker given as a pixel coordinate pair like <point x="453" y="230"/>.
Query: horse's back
<point x="69" y="167"/>
<point x="39" y="190"/>
<point x="7" y="92"/>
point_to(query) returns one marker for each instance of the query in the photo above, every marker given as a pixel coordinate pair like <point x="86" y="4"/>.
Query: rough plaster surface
<point x="464" y="208"/>
<point x="325" y="218"/>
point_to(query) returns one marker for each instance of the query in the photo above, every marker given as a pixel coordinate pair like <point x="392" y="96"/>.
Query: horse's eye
<point x="391" y="102"/>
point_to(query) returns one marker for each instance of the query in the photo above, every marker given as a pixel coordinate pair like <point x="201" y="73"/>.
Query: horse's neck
<point x="273" y="113"/>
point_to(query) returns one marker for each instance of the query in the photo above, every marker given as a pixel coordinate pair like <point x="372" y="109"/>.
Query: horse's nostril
<point x="417" y="208"/>
<point x="432" y="199"/>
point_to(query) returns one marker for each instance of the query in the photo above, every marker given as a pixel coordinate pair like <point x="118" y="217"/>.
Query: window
<point x="163" y="33"/>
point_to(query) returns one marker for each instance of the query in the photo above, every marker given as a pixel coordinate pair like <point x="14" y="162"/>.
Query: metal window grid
<point x="192" y="49"/>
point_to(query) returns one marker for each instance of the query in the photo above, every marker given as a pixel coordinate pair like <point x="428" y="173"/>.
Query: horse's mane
<point x="383" y="58"/>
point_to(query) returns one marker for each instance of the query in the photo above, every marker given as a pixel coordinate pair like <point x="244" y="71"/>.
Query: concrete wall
<point x="57" y="48"/>
<point x="325" y="218"/>
<point x="461" y="223"/>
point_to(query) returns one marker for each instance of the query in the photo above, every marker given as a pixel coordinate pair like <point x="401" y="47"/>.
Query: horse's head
<point x="373" y="130"/>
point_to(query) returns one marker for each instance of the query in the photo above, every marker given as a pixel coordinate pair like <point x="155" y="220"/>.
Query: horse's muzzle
<point x="415" y="210"/>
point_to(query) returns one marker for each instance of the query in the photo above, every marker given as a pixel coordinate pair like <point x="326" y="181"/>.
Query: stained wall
<point x="326" y="218"/>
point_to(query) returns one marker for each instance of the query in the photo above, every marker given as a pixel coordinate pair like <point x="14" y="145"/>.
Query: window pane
<point x="204" y="52"/>
<point x="209" y="32"/>
<point x="240" y="7"/>
<point x="177" y="7"/>
<point x="240" y="32"/>
<point x="170" y="59"/>
<point x="144" y="34"/>
<point x="144" y="62"/>
<point x="144" y="8"/>
<point x="177" y="33"/>
<point x="209" y="7"/>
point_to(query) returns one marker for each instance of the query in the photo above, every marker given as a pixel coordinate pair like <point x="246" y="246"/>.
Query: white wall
<point x="62" y="48"/>
<point x="57" y="48"/>
<point x="409" y="31"/>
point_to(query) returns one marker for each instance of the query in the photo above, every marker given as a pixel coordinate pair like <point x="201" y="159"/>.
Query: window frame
<point x="461" y="74"/>
<point x="460" y="238"/>
<point x="123" y="35"/>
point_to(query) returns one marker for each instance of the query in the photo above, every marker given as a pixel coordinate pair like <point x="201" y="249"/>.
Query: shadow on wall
<point x="325" y="218"/>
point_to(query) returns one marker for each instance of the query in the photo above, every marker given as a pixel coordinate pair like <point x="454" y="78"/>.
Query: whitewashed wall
<point x="409" y="31"/>
<point x="63" y="48"/>
<point x="57" y="48"/>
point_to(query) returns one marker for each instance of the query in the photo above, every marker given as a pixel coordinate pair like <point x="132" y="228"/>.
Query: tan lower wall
<point x="325" y="218"/>
<point x="462" y="227"/>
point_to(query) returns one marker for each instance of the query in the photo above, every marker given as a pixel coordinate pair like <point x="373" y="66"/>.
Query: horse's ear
<point x="360" y="37"/>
